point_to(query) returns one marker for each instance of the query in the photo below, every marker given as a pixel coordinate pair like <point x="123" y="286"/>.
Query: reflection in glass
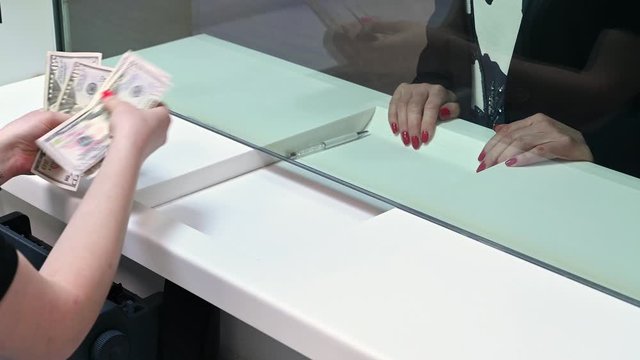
<point x="494" y="63"/>
<point x="574" y="66"/>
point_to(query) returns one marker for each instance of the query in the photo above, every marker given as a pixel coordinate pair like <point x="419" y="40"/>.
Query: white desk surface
<point x="263" y="99"/>
<point x="323" y="273"/>
<point x="393" y="287"/>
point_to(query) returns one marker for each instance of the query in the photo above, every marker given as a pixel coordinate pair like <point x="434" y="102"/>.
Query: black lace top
<point x="565" y="65"/>
<point x="8" y="266"/>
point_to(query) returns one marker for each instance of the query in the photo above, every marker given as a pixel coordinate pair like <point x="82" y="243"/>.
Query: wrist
<point x="6" y="155"/>
<point x="587" y="154"/>
<point x="584" y="148"/>
<point x="126" y="150"/>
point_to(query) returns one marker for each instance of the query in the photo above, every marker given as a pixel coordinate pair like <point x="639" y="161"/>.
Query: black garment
<point x="8" y="266"/>
<point x="558" y="43"/>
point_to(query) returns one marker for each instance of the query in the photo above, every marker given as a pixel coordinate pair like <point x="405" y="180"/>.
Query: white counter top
<point x="324" y="272"/>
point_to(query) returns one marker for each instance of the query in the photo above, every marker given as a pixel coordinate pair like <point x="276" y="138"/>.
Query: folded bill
<point x="47" y="169"/>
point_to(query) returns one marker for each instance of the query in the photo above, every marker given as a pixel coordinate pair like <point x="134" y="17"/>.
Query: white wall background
<point x="26" y="33"/>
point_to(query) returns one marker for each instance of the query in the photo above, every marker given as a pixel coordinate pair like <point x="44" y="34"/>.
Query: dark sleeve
<point x="8" y="266"/>
<point x="623" y="15"/>
<point x="448" y="51"/>
<point x="448" y="57"/>
<point x="615" y="144"/>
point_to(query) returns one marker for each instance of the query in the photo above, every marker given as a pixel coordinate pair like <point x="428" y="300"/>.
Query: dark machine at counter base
<point x="128" y="326"/>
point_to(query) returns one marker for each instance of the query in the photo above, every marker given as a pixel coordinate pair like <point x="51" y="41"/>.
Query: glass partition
<point x="512" y="122"/>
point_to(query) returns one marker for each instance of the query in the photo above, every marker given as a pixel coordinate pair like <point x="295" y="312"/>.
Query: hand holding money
<point x="140" y="131"/>
<point x="17" y="141"/>
<point x="77" y="147"/>
<point x="59" y="68"/>
<point x="82" y="141"/>
<point x="85" y="80"/>
<point x="63" y="74"/>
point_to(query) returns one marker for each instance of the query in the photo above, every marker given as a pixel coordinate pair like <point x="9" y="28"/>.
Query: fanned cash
<point x="60" y="67"/>
<point x="83" y="84"/>
<point x="138" y="82"/>
<point x="82" y="141"/>
<point x="47" y="169"/>
<point x="58" y="70"/>
<point x="81" y="87"/>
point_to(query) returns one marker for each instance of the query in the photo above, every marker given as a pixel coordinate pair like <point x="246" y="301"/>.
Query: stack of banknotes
<point x="74" y="83"/>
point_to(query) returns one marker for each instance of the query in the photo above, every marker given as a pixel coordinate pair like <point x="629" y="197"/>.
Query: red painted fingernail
<point x="481" y="167"/>
<point x="405" y="138"/>
<point x="394" y="127"/>
<point x="445" y="113"/>
<point x="511" y="162"/>
<point x="415" y="142"/>
<point x="482" y="155"/>
<point x="106" y="94"/>
<point x="425" y="137"/>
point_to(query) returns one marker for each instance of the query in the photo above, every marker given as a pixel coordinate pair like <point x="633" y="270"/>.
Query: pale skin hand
<point x="46" y="314"/>
<point x="17" y="141"/>
<point x="531" y="140"/>
<point x="143" y="130"/>
<point x="415" y="109"/>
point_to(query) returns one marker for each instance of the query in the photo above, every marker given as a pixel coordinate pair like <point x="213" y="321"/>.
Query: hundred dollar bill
<point x="58" y="71"/>
<point x="81" y="87"/>
<point x="78" y="92"/>
<point x="78" y="141"/>
<point x="47" y="169"/>
<point x="138" y="82"/>
<point x="82" y="141"/>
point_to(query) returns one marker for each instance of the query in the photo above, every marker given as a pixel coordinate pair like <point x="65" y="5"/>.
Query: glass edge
<point x="58" y="23"/>
<point x="620" y="296"/>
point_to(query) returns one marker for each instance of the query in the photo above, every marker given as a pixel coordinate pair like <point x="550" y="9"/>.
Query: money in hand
<point x="82" y="141"/>
<point x="47" y="169"/>
<point x="80" y="89"/>
<point x="60" y="68"/>
<point x="59" y="65"/>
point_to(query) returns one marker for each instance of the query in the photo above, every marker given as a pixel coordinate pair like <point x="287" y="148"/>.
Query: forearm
<point x="72" y="285"/>
<point x="607" y="82"/>
<point x="86" y="255"/>
<point x="565" y="93"/>
<point x="446" y="59"/>
<point x="59" y="304"/>
<point x="5" y="158"/>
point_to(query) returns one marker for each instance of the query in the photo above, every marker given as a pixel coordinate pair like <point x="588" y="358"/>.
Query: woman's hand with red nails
<point x="415" y="109"/>
<point x="531" y="140"/>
